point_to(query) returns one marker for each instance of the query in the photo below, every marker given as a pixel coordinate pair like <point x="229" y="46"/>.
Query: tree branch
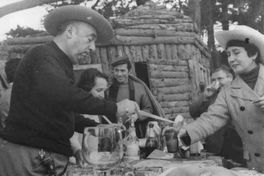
<point x="95" y="4"/>
<point x="22" y="5"/>
<point x="129" y="4"/>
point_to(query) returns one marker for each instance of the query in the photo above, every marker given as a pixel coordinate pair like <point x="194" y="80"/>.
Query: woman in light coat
<point x="241" y="101"/>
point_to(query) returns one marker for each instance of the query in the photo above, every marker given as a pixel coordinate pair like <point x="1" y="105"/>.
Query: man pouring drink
<point x="44" y="97"/>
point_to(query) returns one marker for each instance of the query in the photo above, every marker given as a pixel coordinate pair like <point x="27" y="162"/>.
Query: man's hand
<point x="134" y="116"/>
<point x="260" y="103"/>
<point x="127" y="108"/>
<point x="211" y="89"/>
<point x="79" y="158"/>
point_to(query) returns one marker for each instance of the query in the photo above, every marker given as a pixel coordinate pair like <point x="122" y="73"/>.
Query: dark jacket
<point x="44" y="100"/>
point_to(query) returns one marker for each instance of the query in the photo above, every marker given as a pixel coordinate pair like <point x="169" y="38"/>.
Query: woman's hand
<point x="181" y="134"/>
<point x="260" y="103"/>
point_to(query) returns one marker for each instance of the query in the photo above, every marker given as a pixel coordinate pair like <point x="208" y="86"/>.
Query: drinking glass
<point x="171" y="140"/>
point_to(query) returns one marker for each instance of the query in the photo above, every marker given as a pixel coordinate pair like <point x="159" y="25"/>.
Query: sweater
<point x="44" y="100"/>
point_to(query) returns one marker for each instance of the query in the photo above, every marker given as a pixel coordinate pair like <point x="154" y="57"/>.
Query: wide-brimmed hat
<point x="79" y="13"/>
<point x="243" y="33"/>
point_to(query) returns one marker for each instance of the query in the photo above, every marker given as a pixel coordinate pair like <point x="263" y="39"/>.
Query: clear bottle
<point x="132" y="144"/>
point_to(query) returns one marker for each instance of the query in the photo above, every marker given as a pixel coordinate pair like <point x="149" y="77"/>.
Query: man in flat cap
<point x="125" y="85"/>
<point x="44" y="98"/>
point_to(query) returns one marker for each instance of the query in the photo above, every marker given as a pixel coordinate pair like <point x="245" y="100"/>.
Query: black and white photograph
<point x="132" y="88"/>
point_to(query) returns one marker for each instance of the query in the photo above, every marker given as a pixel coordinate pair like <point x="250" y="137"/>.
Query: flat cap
<point x="120" y="61"/>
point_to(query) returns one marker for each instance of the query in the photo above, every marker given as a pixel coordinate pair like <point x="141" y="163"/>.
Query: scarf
<point x="251" y="77"/>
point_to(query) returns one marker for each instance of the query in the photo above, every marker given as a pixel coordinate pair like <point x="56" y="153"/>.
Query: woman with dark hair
<point x="94" y="82"/>
<point x="241" y="101"/>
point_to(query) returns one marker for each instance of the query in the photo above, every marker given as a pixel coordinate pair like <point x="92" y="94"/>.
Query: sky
<point x="25" y="18"/>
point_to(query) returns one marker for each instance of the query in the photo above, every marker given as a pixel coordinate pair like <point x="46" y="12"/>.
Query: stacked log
<point x="171" y="85"/>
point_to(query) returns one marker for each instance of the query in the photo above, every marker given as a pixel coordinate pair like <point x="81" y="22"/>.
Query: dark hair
<point x="10" y="68"/>
<point x="250" y="48"/>
<point x="122" y="60"/>
<point x="225" y="69"/>
<point x="63" y="26"/>
<point x="87" y="78"/>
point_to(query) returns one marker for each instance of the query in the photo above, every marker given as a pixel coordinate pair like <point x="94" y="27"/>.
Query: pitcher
<point x="103" y="145"/>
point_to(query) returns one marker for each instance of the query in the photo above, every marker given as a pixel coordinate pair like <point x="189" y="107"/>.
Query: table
<point x="146" y="167"/>
<point x="161" y="167"/>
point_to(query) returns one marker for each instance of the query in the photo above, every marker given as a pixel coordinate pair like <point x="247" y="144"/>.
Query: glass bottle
<point x="152" y="142"/>
<point x="132" y="143"/>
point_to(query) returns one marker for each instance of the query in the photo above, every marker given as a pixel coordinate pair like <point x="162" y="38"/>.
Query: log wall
<point x="170" y="83"/>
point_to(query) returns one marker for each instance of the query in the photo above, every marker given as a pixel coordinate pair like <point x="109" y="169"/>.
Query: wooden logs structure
<point x="165" y="40"/>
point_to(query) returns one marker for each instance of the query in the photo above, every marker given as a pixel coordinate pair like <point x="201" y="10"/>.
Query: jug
<point x="103" y="145"/>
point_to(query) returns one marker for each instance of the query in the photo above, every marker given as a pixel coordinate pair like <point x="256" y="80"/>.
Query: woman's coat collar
<point x="241" y="90"/>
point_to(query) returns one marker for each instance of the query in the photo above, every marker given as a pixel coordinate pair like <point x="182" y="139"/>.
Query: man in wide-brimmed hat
<point x="241" y="101"/>
<point x="44" y="97"/>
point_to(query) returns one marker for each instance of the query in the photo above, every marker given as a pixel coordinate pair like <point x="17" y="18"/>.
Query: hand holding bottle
<point x="212" y="88"/>
<point x="127" y="108"/>
<point x="181" y="135"/>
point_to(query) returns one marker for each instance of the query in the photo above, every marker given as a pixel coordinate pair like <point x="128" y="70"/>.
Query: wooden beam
<point x="177" y="110"/>
<point x="29" y="40"/>
<point x="127" y="22"/>
<point x="142" y="40"/>
<point x="169" y="82"/>
<point x="152" y="32"/>
<point x="174" y="90"/>
<point x="168" y="74"/>
<point x="169" y="67"/>
<point x="174" y="97"/>
<point x="22" y="5"/>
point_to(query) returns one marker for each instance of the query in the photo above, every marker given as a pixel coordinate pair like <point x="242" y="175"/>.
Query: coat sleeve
<point x="81" y="122"/>
<point x="210" y="121"/>
<point x="200" y="104"/>
<point x="55" y="87"/>
<point x="144" y="103"/>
